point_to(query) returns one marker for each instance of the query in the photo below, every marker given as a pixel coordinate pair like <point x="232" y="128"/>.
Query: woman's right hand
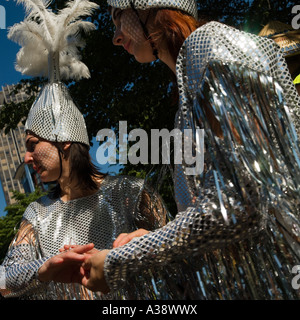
<point x="65" y="267"/>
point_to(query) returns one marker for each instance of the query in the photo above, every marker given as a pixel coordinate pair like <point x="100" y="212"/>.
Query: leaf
<point x="9" y="223"/>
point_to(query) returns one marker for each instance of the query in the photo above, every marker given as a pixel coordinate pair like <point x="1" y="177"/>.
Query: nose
<point x="118" y="37"/>
<point x="28" y="157"/>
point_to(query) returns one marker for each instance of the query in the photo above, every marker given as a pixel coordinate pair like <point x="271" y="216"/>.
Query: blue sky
<point x="8" y="75"/>
<point x="14" y="14"/>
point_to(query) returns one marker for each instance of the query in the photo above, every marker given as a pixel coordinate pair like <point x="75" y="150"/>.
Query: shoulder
<point x="216" y="41"/>
<point x="214" y="30"/>
<point x="122" y="186"/>
<point x="205" y="44"/>
<point x="207" y="32"/>
<point x="37" y="207"/>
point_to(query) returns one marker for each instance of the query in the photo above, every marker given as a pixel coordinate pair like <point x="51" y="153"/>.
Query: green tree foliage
<point x="121" y="88"/>
<point x="9" y="223"/>
<point x="141" y="94"/>
<point x="263" y="11"/>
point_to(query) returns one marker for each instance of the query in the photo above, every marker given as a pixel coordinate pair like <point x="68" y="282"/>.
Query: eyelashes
<point x="31" y="145"/>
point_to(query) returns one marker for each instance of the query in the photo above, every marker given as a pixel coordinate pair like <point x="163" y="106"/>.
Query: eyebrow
<point x="27" y="141"/>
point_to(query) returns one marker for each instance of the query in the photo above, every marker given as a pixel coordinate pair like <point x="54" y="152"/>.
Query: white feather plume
<point x="44" y="32"/>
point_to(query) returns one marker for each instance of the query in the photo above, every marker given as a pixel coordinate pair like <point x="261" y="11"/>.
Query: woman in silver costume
<point x="237" y="233"/>
<point x="85" y="207"/>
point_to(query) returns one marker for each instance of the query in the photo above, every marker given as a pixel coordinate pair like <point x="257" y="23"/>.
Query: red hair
<point x="172" y="27"/>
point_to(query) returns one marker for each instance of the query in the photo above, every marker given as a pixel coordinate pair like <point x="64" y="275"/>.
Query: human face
<point x="44" y="157"/>
<point x="129" y="34"/>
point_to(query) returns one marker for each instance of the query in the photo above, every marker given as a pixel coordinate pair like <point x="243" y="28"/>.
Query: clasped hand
<point x="77" y="264"/>
<point x="82" y="264"/>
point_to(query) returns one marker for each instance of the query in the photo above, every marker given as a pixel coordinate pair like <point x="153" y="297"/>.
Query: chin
<point x="45" y="178"/>
<point x="144" y="59"/>
<point x="143" y="55"/>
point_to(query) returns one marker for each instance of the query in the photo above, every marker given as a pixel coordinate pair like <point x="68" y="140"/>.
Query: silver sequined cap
<point x="188" y="6"/>
<point x="54" y="116"/>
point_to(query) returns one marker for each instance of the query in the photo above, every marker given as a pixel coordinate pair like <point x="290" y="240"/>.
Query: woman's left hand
<point x="93" y="277"/>
<point x="124" y="238"/>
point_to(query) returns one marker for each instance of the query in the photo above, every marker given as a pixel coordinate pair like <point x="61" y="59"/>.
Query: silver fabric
<point x="54" y="116"/>
<point x="251" y="176"/>
<point x="188" y="6"/>
<point x="121" y="204"/>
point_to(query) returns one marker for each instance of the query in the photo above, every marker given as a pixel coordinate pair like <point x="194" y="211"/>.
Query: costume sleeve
<point x="193" y="231"/>
<point x="21" y="264"/>
<point x="251" y="169"/>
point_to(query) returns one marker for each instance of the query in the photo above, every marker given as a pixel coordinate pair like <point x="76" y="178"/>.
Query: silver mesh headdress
<point x="188" y="6"/>
<point x="54" y="116"/>
<point x="50" y="48"/>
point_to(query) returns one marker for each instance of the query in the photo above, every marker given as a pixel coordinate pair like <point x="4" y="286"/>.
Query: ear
<point x="66" y="145"/>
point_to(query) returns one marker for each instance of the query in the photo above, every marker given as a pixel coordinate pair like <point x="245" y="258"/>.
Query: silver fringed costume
<point x="237" y="234"/>
<point x="121" y="204"/>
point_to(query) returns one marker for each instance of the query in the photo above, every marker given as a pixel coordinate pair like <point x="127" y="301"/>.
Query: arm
<point x="194" y="231"/>
<point x="22" y="263"/>
<point x="190" y="233"/>
<point x="26" y="273"/>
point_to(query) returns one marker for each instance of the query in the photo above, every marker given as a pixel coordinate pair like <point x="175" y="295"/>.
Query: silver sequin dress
<point x="237" y="234"/>
<point x="122" y="204"/>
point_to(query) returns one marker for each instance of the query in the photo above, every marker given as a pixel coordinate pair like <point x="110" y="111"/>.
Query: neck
<point x="167" y="59"/>
<point x="71" y="190"/>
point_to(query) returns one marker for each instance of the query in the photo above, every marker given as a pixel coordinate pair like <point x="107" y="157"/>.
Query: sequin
<point x="236" y="235"/>
<point x="188" y="6"/>
<point x="121" y="204"/>
<point x="54" y="116"/>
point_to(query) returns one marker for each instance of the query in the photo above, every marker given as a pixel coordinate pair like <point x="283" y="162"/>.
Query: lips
<point x="38" y="169"/>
